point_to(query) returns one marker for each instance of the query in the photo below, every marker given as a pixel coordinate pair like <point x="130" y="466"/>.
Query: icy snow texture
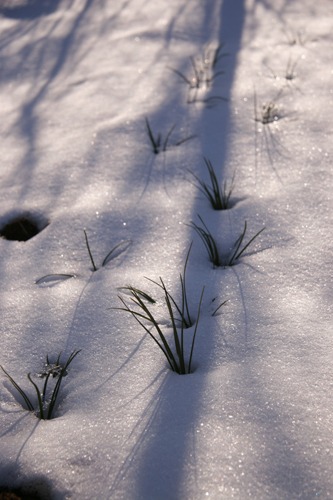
<point x="254" y="420"/>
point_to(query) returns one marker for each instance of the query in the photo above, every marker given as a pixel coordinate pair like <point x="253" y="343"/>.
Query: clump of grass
<point x="204" y="71"/>
<point x="210" y="244"/>
<point x="46" y="398"/>
<point x="114" y="252"/>
<point x="269" y="111"/>
<point x="180" y="319"/>
<point x="217" y="195"/>
<point x="159" y="144"/>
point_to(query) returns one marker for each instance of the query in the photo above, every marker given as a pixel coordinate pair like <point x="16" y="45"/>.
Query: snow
<point x="77" y="81"/>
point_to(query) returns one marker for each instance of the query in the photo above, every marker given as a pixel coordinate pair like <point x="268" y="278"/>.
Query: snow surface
<point x="77" y="79"/>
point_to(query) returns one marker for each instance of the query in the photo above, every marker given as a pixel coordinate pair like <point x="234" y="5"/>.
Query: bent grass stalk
<point x="45" y="403"/>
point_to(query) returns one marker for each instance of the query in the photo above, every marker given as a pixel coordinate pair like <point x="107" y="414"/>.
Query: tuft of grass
<point x="210" y="244"/>
<point x="46" y="399"/>
<point x="269" y="111"/>
<point x="217" y="195"/>
<point x="204" y="71"/>
<point x="114" y="252"/>
<point x="175" y="349"/>
<point x="159" y="144"/>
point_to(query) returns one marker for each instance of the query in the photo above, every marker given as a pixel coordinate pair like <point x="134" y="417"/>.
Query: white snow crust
<point x="78" y="78"/>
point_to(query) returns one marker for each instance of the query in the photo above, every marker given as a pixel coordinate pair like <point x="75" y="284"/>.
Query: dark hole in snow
<point x="21" y="228"/>
<point x="36" y="489"/>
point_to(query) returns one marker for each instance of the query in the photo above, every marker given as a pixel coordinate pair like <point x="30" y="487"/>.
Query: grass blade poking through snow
<point x="174" y="349"/>
<point x="218" y="196"/>
<point x="236" y="252"/>
<point x="46" y="400"/>
<point x="114" y="252"/>
<point x="89" y="251"/>
<point x="158" y="145"/>
<point x="209" y="242"/>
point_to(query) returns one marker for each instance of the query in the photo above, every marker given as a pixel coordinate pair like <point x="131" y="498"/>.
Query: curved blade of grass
<point x="53" y="278"/>
<point x="209" y="242"/>
<point x="18" y="388"/>
<point x="249" y="242"/>
<point x="238" y="252"/>
<point x="195" y="332"/>
<point x="139" y="292"/>
<point x="237" y="245"/>
<point x="163" y="345"/>
<point x="165" y="144"/>
<point x="121" y="247"/>
<point x="56" y="389"/>
<point x="89" y="251"/>
<point x="154" y="142"/>
<point x="181" y="141"/>
<point x="186" y="80"/>
<point x="39" y="398"/>
<point x="180" y="367"/>
<point x="214" y="313"/>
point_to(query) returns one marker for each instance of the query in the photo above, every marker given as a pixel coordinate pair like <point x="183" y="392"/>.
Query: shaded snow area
<point x="111" y="113"/>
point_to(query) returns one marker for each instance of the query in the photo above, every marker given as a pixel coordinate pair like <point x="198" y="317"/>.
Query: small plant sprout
<point x="174" y="348"/>
<point x="204" y="71"/>
<point x="217" y="195"/>
<point x="236" y="251"/>
<point x="159" y="144"/>
<point x="114" y="252"/>
<point x="46" y="397"/>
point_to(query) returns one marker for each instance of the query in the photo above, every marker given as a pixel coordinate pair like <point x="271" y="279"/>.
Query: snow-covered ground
<point x="78" y="78"/>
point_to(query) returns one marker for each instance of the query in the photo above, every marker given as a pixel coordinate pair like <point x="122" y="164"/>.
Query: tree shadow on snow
<point x="167" y="456"/>
<point x="27" y="9"/>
